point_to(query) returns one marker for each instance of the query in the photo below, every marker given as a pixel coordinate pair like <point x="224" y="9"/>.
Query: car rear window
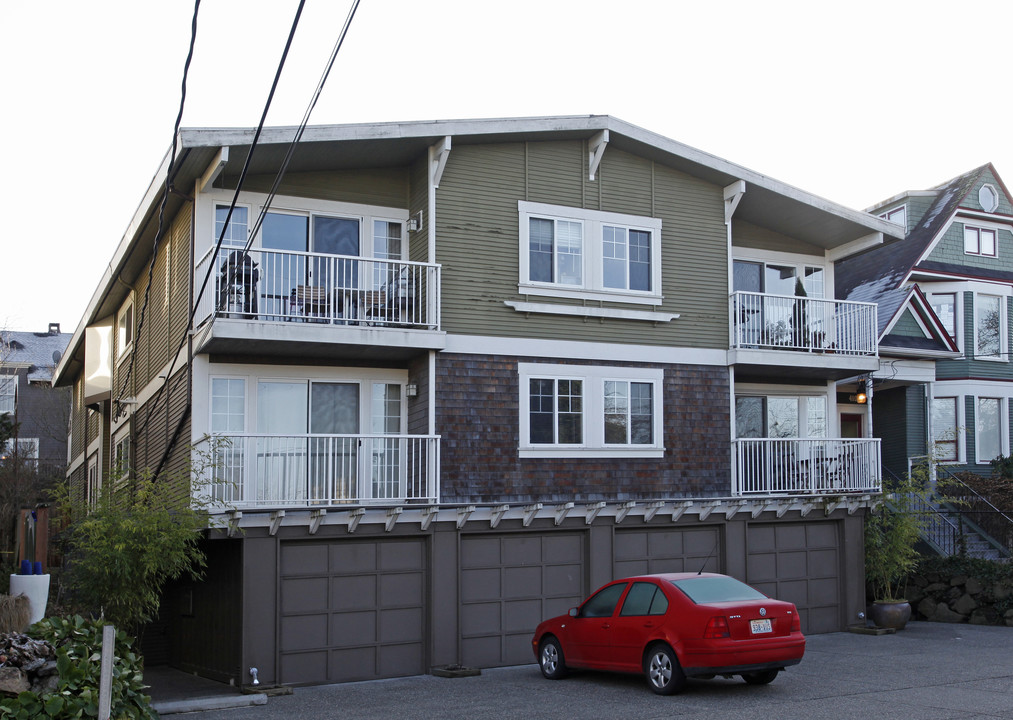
<point x="717" y="589"/>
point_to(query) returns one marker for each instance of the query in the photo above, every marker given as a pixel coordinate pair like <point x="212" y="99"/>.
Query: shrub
<point x="78" y="645"/>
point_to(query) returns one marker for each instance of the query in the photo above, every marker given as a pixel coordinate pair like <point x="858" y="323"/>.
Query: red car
<point x="671" y="627"/>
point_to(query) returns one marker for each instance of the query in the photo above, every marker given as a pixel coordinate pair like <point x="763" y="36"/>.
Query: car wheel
<point x="550" y="659"/>
<point x="760" y="678"/>
<point x="664" y="674"/>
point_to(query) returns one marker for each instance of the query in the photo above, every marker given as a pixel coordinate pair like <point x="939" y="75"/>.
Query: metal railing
<point x="977" y="510"/>
<point x="765" y="466"/>
<point x="785" y="322"/>
<point x="939" y="530"/>
<point x="277" y="285"/>
<point x="249" y="470"/>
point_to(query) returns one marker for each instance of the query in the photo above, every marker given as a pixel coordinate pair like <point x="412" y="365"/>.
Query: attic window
<point x="988" y="198"/>
<point x="897" y="215"/>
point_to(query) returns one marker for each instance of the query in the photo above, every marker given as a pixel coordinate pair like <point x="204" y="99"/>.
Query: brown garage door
<point x="352" y="610"/>
<point x="657" y="550"/>
<point x="510" y="583"/>
<point x="799" y="562"/>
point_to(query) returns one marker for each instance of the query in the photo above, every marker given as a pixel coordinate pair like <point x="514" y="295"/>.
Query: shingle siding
<point x="477" y="401"/>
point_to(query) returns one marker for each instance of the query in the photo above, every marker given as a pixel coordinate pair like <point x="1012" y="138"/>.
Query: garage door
<point x="352" y="610"/>
<point x="639" y="552"/>
<point x="510" y="583"/>
<point x="799" y="562"/>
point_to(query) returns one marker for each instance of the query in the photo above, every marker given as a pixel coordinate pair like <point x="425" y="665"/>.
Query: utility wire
<point x="165" y="195"/>
<point x="264" y="209"/>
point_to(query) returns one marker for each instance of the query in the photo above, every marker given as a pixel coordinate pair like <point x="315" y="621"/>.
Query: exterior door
<point x="285" y="239"/>
<point x="852" y="425"/>
<point x="334" y="445"/>
<point x="388" y="472"/>
<point x="281" y="443"/>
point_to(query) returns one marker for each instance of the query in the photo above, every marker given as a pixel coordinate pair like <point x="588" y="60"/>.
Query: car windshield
<point x="705" y="589"/>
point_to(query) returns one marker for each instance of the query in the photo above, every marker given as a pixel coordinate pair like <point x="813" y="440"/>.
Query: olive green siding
<point x="418" y="241"/>
<point x="478" y="241"/>
<point x="747" y="235"/>
<point x="387" y="187"/>
<point x="907" y="326"/>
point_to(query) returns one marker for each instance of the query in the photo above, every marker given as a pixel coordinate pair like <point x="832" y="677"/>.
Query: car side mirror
<point x="574" y="612"/>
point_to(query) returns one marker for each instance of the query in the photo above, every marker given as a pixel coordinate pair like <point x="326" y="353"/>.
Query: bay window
<point x="944" y="428"/>
<point x="989" y="337"/>
<point x="988" y="429"/>
<point x="944" y="305"/>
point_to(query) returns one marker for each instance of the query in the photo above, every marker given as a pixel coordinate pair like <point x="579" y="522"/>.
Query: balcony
<point x="816" y="338"/>
<point x="818" y="466"/>
<point x="314" y="304"/>
<point x="320" y="471"/>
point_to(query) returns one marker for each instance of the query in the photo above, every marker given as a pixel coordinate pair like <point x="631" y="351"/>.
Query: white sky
<point x="852" y="101"/>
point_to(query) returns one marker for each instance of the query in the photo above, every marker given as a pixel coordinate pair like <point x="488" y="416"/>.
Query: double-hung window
<point x="989" y="429"/>
<point x="125" y="329"/>
<point x="8" y="393"/>
<point x="989" y="335"/>
<point x="589" y="254"/>
<point x="979" y="241"/>
<point x="944" y="428"/>
<point x="589" y="411"/>
<point x="944" y="305"/>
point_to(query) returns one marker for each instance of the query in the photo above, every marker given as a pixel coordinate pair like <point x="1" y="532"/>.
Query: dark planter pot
<point x="892" y="615"/>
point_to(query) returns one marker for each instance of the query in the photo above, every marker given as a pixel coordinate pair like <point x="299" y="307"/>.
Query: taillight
<point x="717" y="627"/>
<point x="796" y="622"/>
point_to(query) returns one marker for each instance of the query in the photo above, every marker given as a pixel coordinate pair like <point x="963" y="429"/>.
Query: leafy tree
<point x="124" y="548"/>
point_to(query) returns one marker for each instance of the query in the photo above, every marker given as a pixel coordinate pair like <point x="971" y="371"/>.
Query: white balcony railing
<point x="765" y="466"/>
<point x="785" y="322"/>
<point x="276" y="285"/>
<point x="313" y="470"/>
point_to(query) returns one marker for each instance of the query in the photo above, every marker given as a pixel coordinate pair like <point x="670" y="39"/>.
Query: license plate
<point x="760" y="626"/>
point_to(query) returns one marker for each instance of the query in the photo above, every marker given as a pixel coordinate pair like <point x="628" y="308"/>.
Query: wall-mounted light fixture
<point x="415" y="222"/>
<point x="861" y="397"/>
<point x="412" y="390"/>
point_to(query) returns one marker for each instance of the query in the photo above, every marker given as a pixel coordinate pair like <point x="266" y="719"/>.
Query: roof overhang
<point x="766" y="202"/>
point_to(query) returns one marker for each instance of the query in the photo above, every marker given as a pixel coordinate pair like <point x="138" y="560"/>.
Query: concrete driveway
<point x="930" y="670"/>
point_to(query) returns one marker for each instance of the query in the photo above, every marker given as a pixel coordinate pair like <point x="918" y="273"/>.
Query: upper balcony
<point x="277" y="302"/>
<point x="815" y="338"/>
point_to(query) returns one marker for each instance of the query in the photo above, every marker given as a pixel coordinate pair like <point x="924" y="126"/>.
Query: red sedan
<point x="671" y="627"/>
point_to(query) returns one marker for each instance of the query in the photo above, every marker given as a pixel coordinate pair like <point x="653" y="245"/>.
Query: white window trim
<point x="995" y="193"/>
<point x="1003" y="355"/>
<point x="123" y="350"/>
<point x="960" y="425"/>
<point x="1003" y="427"/>
<point x="119" y="437"/>
<point x="593" y="416"/>
<point x="592" y="221"/>
<point x="958" y="298"/>
<point x="893" y="211"/>
<point x="10" y="380"/>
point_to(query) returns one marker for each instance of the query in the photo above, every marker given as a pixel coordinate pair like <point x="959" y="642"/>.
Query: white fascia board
<point x="111" y="272"/>
<point x="914" y="370"/>
<point x="581" y="350"/>
<point x="855" y="246"/>
<point x="900" y="196"/>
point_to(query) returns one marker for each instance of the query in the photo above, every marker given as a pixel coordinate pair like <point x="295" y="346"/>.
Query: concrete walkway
<point x="928" y="671"/>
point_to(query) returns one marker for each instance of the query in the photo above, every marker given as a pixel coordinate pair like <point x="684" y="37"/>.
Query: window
<point x="238" y="231"/>
<point x="979" y="241"/>
<point x="988" y="429"/>
<point x="944" y="305"/>
<point x="556" y="411"/>
<point x="570" y="252"/>
<point x="897" y="215"/>
<point x="603" y="603"/>
<point x="988" y="198"/>
<point x="574" y="411"/>
<point x="125" y="329"/>
<point x="944" y="428"/>
<point x="629" y="415"/>
<point x="24" y="449"/>
<point x="988" y="327"/>
<point x="228" y="405"/>
<point x="644" y="598"/>
<point x="121" y="457"/>
<point x="8" y="393"/>
<point x="94" y="481"/>
<point x="780" y="416"/>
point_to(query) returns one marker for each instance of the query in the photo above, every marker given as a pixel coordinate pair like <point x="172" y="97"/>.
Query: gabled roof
<point x="766" y="202"/>
<point x="886" y="268"/>
<point x="39" y="352"/>
<point x="893" y="304"/>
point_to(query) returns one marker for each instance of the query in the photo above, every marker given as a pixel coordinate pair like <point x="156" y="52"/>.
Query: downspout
<point x="732" y="195"/>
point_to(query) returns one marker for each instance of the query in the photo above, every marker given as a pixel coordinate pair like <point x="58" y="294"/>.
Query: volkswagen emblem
<point x="763" y="612"/>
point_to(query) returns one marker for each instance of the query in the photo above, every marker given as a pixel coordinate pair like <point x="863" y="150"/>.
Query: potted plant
<point x="891" y="533"/>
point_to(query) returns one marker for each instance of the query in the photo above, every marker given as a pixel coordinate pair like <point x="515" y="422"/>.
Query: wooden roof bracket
<point x="733" y="194"/>
<point x="596" y="148"/>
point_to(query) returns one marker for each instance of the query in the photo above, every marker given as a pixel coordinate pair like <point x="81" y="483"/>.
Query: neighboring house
<point x="467" y="372"/>
<point x="958" y="255"/>
<point x="27" y="363"/>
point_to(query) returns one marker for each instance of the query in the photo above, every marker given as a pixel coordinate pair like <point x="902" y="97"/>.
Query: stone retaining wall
<point x="960" y="599"/>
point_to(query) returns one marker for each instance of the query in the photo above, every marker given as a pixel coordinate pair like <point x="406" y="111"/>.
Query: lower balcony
<point x="815" y="466"/>
<point x="272" y="471"/>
